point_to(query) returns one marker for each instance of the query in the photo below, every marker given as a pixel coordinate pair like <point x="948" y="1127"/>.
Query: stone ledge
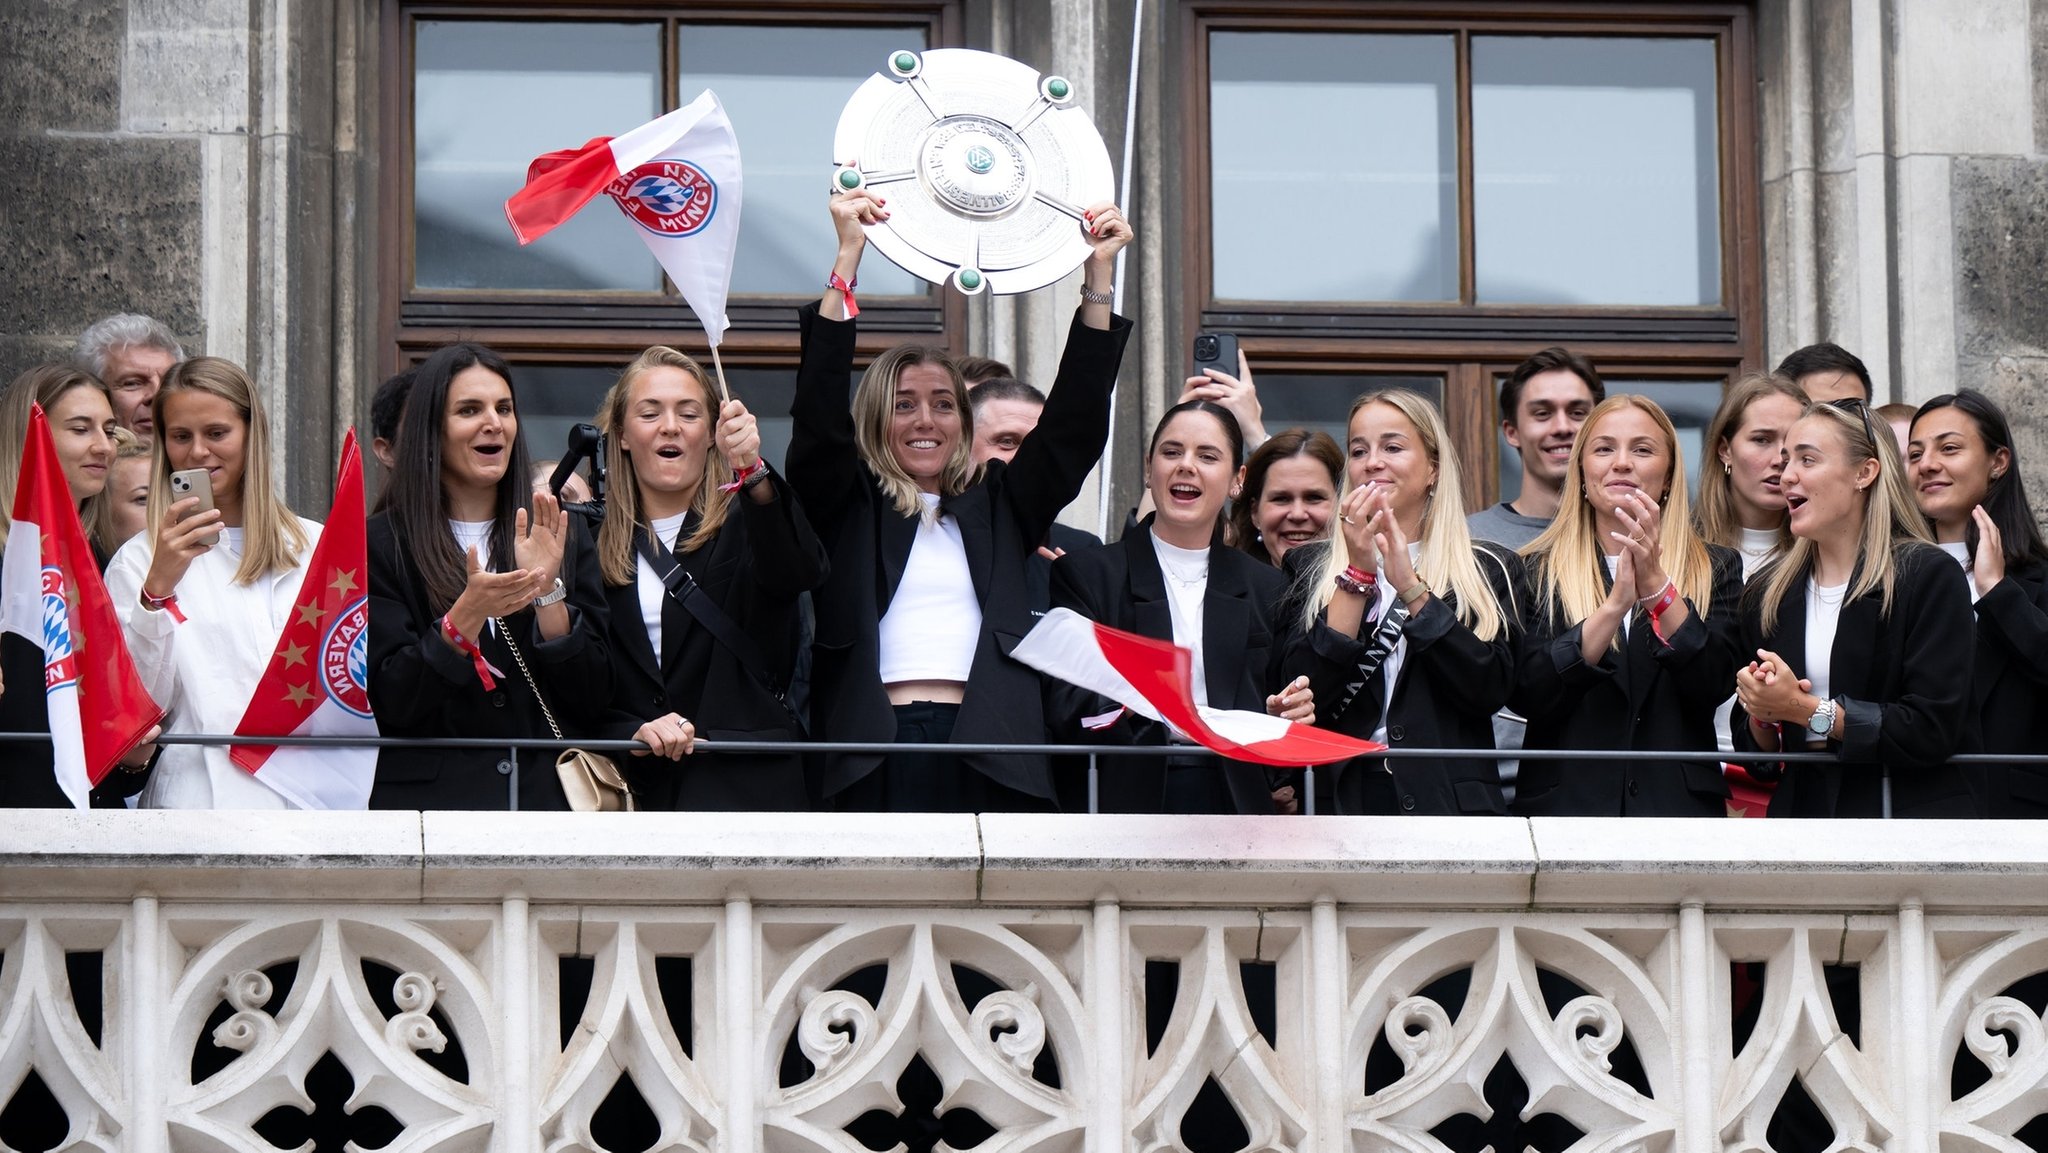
<point x="1006" y="859"/>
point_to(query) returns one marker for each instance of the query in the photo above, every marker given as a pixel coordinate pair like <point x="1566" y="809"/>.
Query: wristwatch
<point x="554" y="596"/>
<point x="1822" y="720"/>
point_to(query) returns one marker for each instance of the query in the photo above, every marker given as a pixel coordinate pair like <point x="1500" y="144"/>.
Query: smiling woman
<point x="932" y="554"/>
<point x="473" y="574"/>
<point x="1631" y="629"/>
<point x="205" y="591"/>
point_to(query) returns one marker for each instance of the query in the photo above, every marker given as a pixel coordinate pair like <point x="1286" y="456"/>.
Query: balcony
<point x="810" y="983"/>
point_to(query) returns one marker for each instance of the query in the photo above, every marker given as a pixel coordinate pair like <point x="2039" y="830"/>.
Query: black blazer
<point x="2009" y="695"/>
<point x="1120" y="585"/>
<point x="1648" y="694"/>
<point x="29" y="778"/>
<point x="1905" y="686"/>
<point x="1002" y="519"/>
<point x="1449" y="686"/>
<point x="764" y="557"/>
<point x="422" y="687"/>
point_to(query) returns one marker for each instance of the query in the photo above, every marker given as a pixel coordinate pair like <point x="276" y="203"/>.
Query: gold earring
<point x="1727" y="469"/>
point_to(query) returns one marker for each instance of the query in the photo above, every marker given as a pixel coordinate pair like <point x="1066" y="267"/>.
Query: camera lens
<point x="1205" y="348"/>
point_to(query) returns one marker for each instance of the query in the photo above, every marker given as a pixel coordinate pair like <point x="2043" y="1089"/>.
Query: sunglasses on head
<point x="1862" y="411"/>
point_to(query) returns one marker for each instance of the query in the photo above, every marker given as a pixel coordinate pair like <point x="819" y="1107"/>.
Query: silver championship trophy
<point x="987" y="168"/>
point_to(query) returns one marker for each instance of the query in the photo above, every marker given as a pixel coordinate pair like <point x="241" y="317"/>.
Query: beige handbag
<point x="591" y="781"/>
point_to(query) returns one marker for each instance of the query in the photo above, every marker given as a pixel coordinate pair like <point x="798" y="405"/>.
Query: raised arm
<point x="823" y="462"/>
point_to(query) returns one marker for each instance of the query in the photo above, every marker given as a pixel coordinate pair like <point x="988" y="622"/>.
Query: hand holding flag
<point x="1153" y="677"/>
<point x="51" y="593"/>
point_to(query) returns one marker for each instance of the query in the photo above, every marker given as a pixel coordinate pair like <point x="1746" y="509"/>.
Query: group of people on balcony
<point x="1831" y="586"/>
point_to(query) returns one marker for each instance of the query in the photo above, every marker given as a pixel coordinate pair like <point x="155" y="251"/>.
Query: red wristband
<point x="469" y="648"/>
<point x="1664" y="601"/>
<point x="1356" y="580"/>
<point x="168" y="604"/>
<point x="743" y="476"/>
<point x="845" y="288"/>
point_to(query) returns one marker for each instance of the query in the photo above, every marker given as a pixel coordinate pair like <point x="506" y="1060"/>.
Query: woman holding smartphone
<point x="204" y="595"/>
<point x="1173" y="578"/>
<point x="486" y="607"/>
<point x="1406" y="628"/>
<point x="705" y="552"/>
<point x="1860" y="634"/>
<point x="930" y="555"/>
<point x="1965" y="472"/>
<point x="1631" y="625"/>
<point x="82" y="428"/>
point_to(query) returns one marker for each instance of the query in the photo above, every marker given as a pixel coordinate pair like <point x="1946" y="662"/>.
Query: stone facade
<point x="213" y="162"/>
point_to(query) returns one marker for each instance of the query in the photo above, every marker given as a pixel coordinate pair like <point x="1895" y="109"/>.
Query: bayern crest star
<point x="344" y="582"/>
<point x="294" y="655"/>
<point x="298" y="694"/>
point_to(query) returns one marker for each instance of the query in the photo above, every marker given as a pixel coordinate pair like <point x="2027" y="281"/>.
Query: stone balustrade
<point x="741" y="983"/>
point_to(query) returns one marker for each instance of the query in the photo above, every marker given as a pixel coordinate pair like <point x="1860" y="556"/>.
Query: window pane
<point x="1596" y="171"/>
<point x="1689" y="404"/>
<point x="554" y="396"/>
<point x="488" y="97"/>
<point x="783" y="88"/>
<point x="1332" y="164"/>
<point x="1322" y="402"/>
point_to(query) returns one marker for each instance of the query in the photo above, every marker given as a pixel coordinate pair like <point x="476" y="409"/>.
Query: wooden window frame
<point x="1467" y="342"/>
<point x="609" y="327"/>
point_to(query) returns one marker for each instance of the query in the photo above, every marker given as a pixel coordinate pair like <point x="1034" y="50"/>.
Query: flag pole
<point x="1105" y="473"/>
<point x="724" y="393"/>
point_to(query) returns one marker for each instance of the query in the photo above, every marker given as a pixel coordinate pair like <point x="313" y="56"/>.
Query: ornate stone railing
<point x="813" y="983"/>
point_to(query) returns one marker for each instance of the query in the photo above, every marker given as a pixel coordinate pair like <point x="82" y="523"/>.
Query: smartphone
<point x="1217" y="350"/>
<point x="192" y="482"/>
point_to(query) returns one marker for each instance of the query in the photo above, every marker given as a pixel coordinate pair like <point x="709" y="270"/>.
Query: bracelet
<point x="470" y="649"/>
<point x="845" y="288"/>
<point x="1664" y="600"/>
<point x="1414" y="592"/>
<point x="167" y="603"/>
<point x="1356" y="580"/>
<point x="747" y="477"/>
<point x="1089" y="296"/>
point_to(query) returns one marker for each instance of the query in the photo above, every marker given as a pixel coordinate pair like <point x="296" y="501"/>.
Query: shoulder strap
<point x="705" y="611"/>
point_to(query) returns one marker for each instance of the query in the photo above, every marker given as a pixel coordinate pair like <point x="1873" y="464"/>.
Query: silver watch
<point x="554" y="596"/>
<point x="1822" y="720"/>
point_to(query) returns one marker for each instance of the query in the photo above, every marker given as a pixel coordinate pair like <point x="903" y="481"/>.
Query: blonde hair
<point x="1447" y="563"/>
<point x="874" y="402"/>
<point x="1569" y="563"/>
<point x="272" y="537"/>
<point x="1715" y="512"/>
<point x="622" y="503"/>
<point x="44" y="384"/>
<point x="127" y="446"/>
<point x="1890" y="516"/>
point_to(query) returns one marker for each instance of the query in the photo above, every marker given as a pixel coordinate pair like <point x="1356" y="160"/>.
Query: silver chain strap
<point x="520" y="660"/>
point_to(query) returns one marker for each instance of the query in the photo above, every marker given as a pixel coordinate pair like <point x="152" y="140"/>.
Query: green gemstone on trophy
<point x="1057" y="88"/>
<point x="970" y="279"/>
<point x="904" y="62"/>
<point x="849" y="179"/>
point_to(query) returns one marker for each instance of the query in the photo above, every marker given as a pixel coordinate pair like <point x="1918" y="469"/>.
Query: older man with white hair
<point x="131" y="353"/>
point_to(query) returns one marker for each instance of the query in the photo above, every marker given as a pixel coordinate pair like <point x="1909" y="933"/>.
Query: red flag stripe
<point x="558" y="185"/>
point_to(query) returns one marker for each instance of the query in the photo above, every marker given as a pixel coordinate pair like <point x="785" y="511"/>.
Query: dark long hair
<point x="418" y="502"/>
<point x="2005" y="501"/>
<point x="1284" y="445"/>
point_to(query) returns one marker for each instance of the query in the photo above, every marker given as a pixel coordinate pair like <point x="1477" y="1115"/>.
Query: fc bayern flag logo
<point x="345" y="658"/>
<point x="667" y="197"/>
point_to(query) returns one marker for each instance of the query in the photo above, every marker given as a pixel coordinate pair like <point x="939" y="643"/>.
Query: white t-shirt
<point x="1756" y="547"/>
<point x="1613" y="563"/>
<point x="1390" y="671"/>
<point x="472" y="536"/>
<point x="648" y="582"/>
<point x="933" y="622"/>
<point x="1187" y="581"/>
<point x="1961" y="552"/>
<point x="1823" y="617"/>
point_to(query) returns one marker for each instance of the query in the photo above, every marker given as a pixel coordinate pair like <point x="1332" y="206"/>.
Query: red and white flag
<point x="676" y="178"/>
<point x="1155" y="678"/>
<point x="317" y="684"/>
<point x="51" y="593"/>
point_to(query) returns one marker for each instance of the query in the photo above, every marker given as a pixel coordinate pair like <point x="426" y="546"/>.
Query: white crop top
<point x="934" y="620"/>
